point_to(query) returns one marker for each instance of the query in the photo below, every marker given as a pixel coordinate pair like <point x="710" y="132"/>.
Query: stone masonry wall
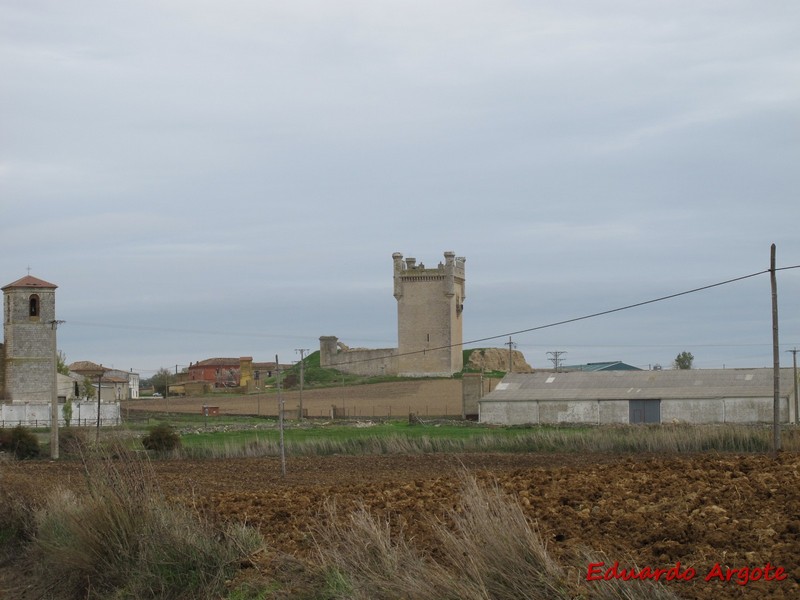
<point x="2" y="372"/>
<point x="429" y="322"/>
<point x="357" y="361"/>
<point x="29" y="346"/>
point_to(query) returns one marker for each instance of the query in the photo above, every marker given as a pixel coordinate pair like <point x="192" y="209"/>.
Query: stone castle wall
<point x="358" y="361"/>
<point x="429" y="325"/>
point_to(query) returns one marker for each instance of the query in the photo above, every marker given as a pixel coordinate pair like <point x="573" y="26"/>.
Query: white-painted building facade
<point x="624" y="397"/>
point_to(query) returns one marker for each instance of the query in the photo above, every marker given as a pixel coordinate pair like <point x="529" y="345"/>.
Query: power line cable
<point x="466" y="343"/>
<point x="614" y="310"/>
<point x="192" y="331"/>
<point x="576" y="319"/>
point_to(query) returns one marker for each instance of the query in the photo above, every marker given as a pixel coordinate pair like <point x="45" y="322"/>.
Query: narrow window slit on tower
<point x="34" y="305"/>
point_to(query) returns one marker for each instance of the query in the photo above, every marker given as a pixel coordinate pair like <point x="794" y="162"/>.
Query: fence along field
<point x="426" y="398"/>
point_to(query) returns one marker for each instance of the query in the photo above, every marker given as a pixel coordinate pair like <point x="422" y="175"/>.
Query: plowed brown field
<point x="699" y="510"/>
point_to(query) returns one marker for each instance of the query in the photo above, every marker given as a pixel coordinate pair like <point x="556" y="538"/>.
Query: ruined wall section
<point x="430" y="303"/>
<point x="367" y="362"/>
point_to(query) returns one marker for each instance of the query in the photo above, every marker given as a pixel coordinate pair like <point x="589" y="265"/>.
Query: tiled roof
<point x="216" y="362"/>
<point x="234" y="362"/>
<point x="83" y="366"/>
<point x="30" y="282"/>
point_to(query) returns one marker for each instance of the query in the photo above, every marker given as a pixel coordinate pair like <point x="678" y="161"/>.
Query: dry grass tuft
<point x="487" y="550"/>
<point x="122" y="539"/>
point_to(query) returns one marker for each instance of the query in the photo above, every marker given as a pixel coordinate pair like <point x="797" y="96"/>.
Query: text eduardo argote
<point x="599" y="571"/>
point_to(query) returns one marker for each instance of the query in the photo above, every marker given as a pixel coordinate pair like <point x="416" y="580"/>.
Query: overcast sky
<point x="205" y="178"/>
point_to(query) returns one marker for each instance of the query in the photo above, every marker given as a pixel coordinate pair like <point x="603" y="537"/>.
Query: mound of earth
<point x="496" y="359"/>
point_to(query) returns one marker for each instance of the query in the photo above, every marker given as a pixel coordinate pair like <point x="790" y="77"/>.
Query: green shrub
<point x="291" y="380"/>
<point x="19" y="441"/>
<point x="72" y="441"/>
<point x="121" y="538"/>
<point x="67" y="411"/>
<point x="162" y="438"/>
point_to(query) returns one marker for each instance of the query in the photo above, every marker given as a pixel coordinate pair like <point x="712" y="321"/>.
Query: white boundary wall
<point x="38" y="415"/>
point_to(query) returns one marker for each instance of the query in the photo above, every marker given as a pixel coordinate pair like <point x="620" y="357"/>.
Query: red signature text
<point x="599" y="571"/>
<point x="595" y="572"/>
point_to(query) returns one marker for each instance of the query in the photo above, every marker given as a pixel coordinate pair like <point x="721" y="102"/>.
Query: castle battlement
<point x="430" y="303"/>
<point x="450" y="272"/>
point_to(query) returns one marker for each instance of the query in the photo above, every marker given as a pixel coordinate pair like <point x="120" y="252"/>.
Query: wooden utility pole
<point x="280" y="416"/>
<point x="302" y="352"/>
<point x="776" y="357"/>
<point x="794" y="371"/>
<point x="54" y="400"/>
<point x="511" y="345"/>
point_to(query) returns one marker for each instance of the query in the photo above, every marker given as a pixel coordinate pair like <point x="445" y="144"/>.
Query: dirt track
<point x="652" y="510"/>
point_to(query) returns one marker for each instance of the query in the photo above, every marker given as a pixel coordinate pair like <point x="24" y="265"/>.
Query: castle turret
<point x="429" y="307"/>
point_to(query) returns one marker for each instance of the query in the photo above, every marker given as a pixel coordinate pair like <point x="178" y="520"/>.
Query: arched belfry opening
<point x="33" y="305"/>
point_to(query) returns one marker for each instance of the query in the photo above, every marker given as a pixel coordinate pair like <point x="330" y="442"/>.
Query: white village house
<point x="622" y="397"/>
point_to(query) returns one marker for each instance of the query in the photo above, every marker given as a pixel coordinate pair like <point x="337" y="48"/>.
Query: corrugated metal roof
<point x="615" y="365"/>
<point x="632" y="385"/>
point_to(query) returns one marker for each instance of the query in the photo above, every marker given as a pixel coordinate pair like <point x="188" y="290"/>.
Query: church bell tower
<point x="29" y="349"/>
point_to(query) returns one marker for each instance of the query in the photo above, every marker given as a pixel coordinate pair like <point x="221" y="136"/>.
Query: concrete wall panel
<point x="585" y="411"/>
<point x="84" y="414"/>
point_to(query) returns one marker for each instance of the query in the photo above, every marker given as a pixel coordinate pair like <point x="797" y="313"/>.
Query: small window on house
<point x="33" y="305"/>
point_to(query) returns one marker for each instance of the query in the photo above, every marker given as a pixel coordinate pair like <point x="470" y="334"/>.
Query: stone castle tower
<point x="430" y="302"/>
<point x="28" y="356"/>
